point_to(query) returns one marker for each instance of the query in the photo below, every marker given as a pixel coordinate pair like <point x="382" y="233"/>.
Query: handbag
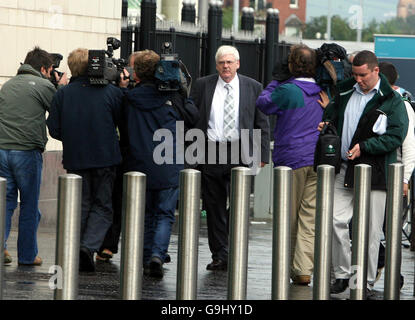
<point x="328" y="148"/>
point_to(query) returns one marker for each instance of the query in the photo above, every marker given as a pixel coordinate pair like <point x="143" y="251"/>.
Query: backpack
<point x="332" y="67"/>
<point x="328" y="148"/>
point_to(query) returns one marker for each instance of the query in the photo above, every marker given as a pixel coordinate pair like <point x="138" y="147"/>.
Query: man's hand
<point x="124" y="79"/>
<point x="321" y="125"/>
<point x="263" y="164"/>
<point x="405" y="189"/>
<point x="354" y="152"/>
<point x="63" y="80"/>
<point x="324" y="99"/>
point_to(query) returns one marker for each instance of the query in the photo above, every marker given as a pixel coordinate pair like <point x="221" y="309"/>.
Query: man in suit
<point x="226" y="103"/>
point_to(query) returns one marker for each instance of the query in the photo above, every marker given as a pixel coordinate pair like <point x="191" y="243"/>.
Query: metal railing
<point x="3" y="185"/>
<point x="239" y="232"/>
<point x="134" y="186"/>
<point x="393" y="232"/>
<point x="281" y="233"/>
<point x="323" y="232"/>
<point x="67" y="237"/>
<point x="360" y="231"/>
<point x="189" y="215"/>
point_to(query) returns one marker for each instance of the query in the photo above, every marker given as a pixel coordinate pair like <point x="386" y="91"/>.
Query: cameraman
<point x="147" y="110"/>
<point x="109" y="246"/>
<point x="24" y="101"/>
<point x="85" y="118"/>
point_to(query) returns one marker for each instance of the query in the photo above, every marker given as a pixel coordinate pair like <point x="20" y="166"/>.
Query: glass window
<point x="293" y="3"/>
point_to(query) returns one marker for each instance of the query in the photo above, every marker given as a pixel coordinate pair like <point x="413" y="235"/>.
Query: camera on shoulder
<point x="171" y="74"/>
<point x="103" y="68"/>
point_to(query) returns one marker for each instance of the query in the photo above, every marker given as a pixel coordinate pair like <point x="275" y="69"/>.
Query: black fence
<point x="196" y="48"/>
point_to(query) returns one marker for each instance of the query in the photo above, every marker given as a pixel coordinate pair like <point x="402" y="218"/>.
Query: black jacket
<point x="85" y="119"/>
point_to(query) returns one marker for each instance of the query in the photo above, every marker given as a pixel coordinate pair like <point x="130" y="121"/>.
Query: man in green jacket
<point x="372" y="122"/>
<point x="24" y="100"/>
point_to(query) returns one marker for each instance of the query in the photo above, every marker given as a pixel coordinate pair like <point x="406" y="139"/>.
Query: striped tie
<point x="229" y="114"/>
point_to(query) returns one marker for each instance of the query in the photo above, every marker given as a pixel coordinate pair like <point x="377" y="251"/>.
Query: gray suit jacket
<point x="250" y="117"/>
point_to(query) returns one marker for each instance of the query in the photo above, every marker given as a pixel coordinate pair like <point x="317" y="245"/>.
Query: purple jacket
<point x="298" y="115"/>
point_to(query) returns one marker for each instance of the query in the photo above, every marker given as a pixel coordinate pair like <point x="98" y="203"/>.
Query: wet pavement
<point x="32" y="283"/>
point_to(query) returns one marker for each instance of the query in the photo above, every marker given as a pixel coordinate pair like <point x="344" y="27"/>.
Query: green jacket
<point x="376" y="150"/>
<point x="24" y="100"/>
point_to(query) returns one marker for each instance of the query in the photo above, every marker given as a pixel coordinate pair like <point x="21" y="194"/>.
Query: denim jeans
<point x="23" y="171"/>
<point x="159" y="219"/>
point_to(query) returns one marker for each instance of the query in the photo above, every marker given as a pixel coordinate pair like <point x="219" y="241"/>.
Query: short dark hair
<point x="366" y="57"/>
<point x="302" y="61"/>
<point x="38" y="58"/>
<point x="389" y="70"/>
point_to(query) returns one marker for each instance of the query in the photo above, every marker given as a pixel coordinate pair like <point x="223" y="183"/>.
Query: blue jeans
<point x="159" y="219"/>
<point x="23" y="171"/>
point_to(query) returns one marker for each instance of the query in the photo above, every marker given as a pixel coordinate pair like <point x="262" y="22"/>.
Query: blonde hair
<point x="145" y="64"/>
<point x="78" y="62"/>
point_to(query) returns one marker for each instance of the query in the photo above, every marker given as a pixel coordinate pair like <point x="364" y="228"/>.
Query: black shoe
<point x="339" y="286"/>
<point x="370" y="295"/>
<point x="401" y="282"/>
<point x="86" y="260"/>
<point x="146" y="269"/>
<point x="156" y="268"/>
<point x="217" y="265"/>
<point x="167" y="258"/>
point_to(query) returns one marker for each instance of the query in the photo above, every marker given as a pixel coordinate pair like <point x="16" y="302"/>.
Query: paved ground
<point x="32" y="283"/>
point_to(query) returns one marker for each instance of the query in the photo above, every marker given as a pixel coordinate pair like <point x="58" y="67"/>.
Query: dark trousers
<point x="112" y="237"/>
<point x="215" y="194"/>
<point x="97" y="187"/>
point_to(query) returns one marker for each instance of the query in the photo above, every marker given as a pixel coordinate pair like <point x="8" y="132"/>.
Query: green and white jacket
<point x="376" y="150"/>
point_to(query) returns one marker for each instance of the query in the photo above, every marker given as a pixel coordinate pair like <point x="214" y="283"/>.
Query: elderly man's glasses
<point x="228" y="62"/>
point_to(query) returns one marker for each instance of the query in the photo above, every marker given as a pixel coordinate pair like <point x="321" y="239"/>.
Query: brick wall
<point x="285" y="11"/>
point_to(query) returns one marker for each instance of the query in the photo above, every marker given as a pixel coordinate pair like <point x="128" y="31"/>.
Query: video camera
<point x="57" y="58"/>
<point x="171" y="74"/>
<point x="103" y="68"/>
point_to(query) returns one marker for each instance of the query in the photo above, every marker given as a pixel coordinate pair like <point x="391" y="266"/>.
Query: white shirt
<point x="215" y="124"/>
<point x="352" y="114"/>
<point x="408" y="145"/>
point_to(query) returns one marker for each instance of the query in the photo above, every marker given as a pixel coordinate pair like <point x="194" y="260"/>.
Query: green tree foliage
<point x="227" y="18"/>
<point x="340" y="29"/>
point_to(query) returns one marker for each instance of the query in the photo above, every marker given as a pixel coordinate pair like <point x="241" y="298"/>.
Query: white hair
<point x="224" y="50"/>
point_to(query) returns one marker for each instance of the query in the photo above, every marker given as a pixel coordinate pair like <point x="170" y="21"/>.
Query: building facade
<point x="57" y="26"/>
<point x="406" y="8"/>
<point x="292" y="12"/>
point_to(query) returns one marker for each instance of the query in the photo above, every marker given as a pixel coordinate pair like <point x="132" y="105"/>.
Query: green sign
<point x="134" y="4"/>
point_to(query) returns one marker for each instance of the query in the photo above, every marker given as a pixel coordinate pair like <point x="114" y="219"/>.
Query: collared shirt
<point x="215" y="125"/>
<point x="352" y="114"/>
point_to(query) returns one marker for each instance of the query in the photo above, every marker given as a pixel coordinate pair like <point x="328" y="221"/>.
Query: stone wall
<point x="57" y="26"/>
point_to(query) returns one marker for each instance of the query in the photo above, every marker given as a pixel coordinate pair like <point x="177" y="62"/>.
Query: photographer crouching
<point x="85" y="117"/>
<point x="24" y="100"/>
<point x="147" y="109"/>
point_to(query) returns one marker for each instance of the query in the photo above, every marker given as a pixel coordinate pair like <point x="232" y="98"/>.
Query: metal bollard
<point x="239" y="233"/>
<point x="281" y="233"/>
<point x="68" y="236"/>
<point x="3" y="185"/>
<point x="324" y="231"/>
<point x="393" y="231"/>
<point x="134" y="196"/>
<point x="189" y="215"/>
<point x="360" y="231"/>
